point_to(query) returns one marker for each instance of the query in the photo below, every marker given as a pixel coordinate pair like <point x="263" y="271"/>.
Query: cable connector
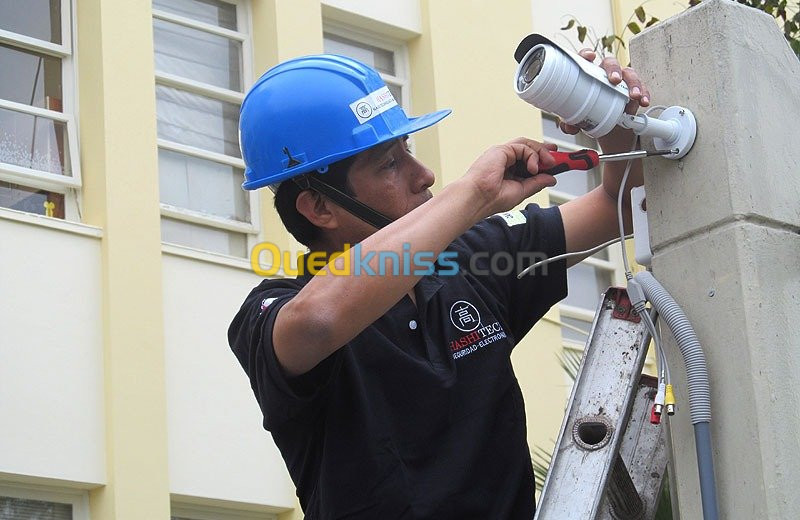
<point x="636" y="295"/>
<point x="670" y="400"/>
<point x="658" y="407"/>
<point x="655" y="418"/>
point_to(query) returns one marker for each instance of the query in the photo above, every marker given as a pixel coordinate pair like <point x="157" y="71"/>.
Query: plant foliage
<point x="786" y="12"/>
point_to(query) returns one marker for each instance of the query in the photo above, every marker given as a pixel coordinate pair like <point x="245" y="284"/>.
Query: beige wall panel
<point x="217" y="446"/>
<point x="399" y="19"/>
<point x="51" y="357"/>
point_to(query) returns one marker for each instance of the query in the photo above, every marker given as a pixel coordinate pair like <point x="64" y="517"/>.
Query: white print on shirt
<point x="477" y="339"/>
<point x="464" y="316"/>
<point x="264" y="304"/>
<point x="513" y="218"/>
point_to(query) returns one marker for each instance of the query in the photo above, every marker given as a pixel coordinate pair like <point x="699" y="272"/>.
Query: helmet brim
<point x="415" y="124"/>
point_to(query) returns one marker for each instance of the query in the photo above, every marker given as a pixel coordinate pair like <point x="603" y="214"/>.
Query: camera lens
<point x="530" y="69"/>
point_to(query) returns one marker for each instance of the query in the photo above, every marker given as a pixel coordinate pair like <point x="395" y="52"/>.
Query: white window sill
<point x="52" y="223"/>
<point x="206" y="256"/>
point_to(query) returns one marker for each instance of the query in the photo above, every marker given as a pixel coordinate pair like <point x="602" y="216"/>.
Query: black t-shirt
<point x="419" y="416"/>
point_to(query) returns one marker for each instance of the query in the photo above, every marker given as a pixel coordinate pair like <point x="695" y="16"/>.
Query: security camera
<point x="558" y="81"/>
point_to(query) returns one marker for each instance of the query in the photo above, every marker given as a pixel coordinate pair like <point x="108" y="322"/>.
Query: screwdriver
<point x="585" y="159"/>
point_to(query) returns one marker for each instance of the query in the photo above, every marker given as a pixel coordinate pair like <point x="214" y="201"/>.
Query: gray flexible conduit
<point x="697" y="381"/>
<point x="696" y="371"/>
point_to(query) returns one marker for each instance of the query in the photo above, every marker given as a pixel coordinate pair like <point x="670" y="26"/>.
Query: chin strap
<point x="354" y="207"/>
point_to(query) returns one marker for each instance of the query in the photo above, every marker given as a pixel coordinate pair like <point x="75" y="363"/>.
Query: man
<point x="389" y="391"/>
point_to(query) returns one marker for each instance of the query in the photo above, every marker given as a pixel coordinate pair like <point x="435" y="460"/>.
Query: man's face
<point x="390" y="180"/>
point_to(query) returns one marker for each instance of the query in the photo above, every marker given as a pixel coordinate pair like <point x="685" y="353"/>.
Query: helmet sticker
<point x="373" y="104"/>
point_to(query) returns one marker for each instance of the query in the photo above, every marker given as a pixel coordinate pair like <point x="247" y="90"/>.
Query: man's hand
<point x="491" y="175"/>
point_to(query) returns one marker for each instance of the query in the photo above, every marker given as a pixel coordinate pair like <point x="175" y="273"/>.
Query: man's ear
<point x="317" y="209"/>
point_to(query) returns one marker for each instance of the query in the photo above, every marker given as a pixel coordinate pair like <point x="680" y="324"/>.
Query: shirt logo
<point x="464" y="316"/>
<point x="264" y="304"/>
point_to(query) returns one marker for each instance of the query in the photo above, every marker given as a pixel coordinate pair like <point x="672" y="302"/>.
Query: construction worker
<point x="385" y="378"/>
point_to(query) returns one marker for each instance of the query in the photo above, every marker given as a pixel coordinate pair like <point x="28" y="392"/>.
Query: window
<point x="389" y="59"/>
<point x="42" y="502"/>
<point x="595" y="274"/>
<point x="39" y="165"/>
<point x="202" y="51"/>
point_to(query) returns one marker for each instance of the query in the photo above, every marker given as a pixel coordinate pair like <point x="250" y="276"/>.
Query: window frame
<point x="65" y="52"/>
<point x="78" y="499"/>
<point x="209" y="512"/>
<point x="397" y="47"/>
<point x="251" y="229"/>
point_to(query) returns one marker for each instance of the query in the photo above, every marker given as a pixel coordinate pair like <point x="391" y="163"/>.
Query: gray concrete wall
<point x="725" y="231"/>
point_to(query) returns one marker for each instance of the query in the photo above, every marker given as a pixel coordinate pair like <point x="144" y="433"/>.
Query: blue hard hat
<point x="310" y="112"/>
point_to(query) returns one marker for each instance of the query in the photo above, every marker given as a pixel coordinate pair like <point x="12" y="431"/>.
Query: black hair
<point x="286" y="200"/>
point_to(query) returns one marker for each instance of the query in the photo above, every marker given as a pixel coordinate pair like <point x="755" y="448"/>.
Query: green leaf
<point x="634" y="28"/>
<point x="795" y="44"/>
<point x="569" y="25"/>
<point x="652" y="21"/>
<point x="581" y="33"/>
<point x="640" y="14"/>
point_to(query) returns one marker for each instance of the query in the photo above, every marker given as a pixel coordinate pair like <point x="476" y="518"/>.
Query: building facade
<point x="125" y="238"/>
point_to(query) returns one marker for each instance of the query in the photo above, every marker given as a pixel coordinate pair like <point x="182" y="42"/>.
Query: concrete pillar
<point x="724" y="224"/>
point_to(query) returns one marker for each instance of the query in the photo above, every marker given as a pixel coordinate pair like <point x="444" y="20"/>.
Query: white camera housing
<point x="558" y="81"/>
<point x="574" y="88"/>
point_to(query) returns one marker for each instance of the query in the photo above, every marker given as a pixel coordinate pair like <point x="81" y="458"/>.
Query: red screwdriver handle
<point x="565" y="161"/>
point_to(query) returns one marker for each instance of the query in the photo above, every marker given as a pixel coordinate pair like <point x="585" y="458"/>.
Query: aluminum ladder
<point x="609" y="461"/>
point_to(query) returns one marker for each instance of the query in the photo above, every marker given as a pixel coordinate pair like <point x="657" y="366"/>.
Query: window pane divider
<point x="200" y="153"/>
<point x="560" y="197"/>
<point x="34" y="44"/>
<point x="35" y="111"/>
<point x="38" y="179"/>
<point x="570" y="311"/>
<point x="171" y="80"/>
<point x="599" y="263"/>
<point x="197" y="217"/>
<point x="194" y="24"/>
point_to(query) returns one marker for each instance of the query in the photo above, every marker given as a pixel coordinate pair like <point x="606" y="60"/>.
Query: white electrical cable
<point x="587" y="252"/>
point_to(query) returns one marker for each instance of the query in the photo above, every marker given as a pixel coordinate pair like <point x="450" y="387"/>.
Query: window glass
<point x="552" y="131"/>
<point x="573" y="335"/>
<point x="30" y="78"/>
<point x="203" y="237"/>
<point x="40" y="19"/>
<point x="201" y="185"/>
<point x="585" y="283"/>
<point x="199" y="55"/>
<point x="211" y="12"/>
<point x="22" y="198"/>
<point x="200" y="121"/>
<point x="577" y="182"/>
<point x="381" y="60"/>
<point x="33" y="142"/>
<point x="24" y="509"/>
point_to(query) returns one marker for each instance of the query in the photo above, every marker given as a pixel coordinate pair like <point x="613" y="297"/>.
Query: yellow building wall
<point x="120" y="195"/>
